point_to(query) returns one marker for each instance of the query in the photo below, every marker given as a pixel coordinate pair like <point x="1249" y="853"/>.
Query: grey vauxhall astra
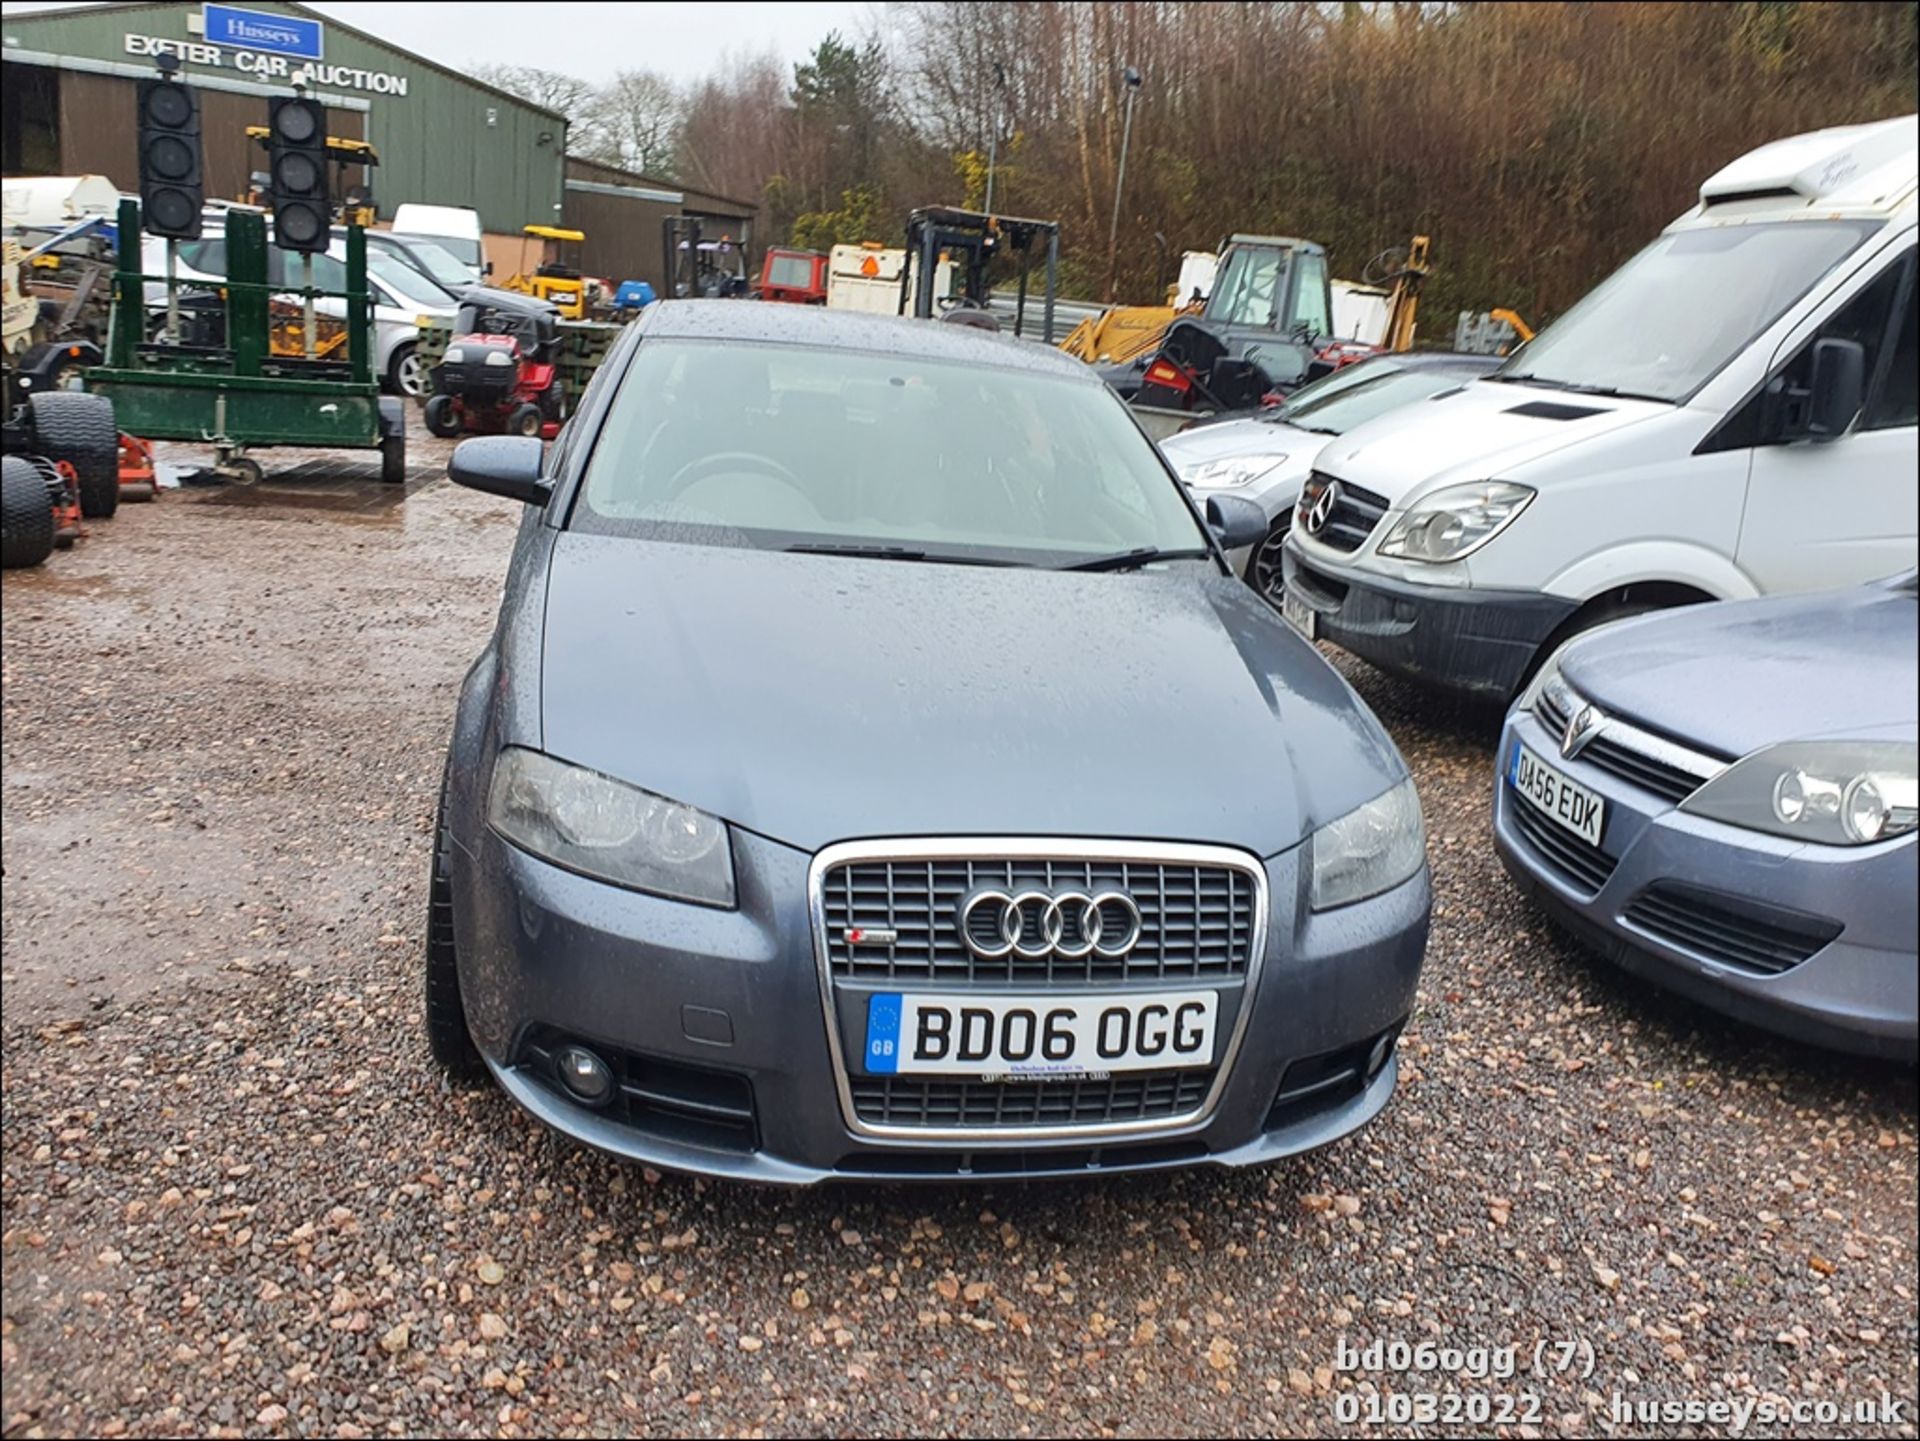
<point x="876" y="772"/>
<point x="1722" y="800"/>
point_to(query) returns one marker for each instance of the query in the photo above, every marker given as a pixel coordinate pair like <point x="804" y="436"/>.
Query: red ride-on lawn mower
<point x="501" y="372"/>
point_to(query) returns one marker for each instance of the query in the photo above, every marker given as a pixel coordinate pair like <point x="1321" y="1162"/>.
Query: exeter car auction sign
<point x="271" y="47"/>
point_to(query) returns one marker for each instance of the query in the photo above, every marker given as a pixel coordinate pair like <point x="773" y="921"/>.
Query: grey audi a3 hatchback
<point x="876" y="772"/>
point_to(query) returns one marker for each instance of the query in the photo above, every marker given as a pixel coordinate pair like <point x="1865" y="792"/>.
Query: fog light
<point x="584" y="1074"/>
<point x="1377" y="1057"/>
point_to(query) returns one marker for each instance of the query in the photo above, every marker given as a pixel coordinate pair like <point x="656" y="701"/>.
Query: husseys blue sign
<point x="259" y="30"/>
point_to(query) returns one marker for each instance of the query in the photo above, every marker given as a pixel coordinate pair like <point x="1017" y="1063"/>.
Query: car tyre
<point x="448" y="1039"/>
<point x="1264" y="571"/>
<point x="406" y="373"/>
<point x="442" y="419"/>
<point x="78" y="428"/>
<point x="1578" y="625"/>
<point x="26" y="514"/>
<point x="525" y="420"/>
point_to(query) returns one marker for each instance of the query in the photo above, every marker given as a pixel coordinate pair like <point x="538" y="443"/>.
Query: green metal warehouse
<point x="443" y="138"/>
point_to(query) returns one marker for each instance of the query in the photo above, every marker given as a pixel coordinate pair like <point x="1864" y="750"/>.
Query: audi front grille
<point x="1196" y="921"/>
<point x="1030" y="915"/>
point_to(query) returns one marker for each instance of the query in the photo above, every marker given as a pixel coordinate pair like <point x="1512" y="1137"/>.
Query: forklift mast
<point x="974" y="239"/>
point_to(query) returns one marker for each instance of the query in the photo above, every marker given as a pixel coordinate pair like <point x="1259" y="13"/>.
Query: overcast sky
<point x="682" y="40"/>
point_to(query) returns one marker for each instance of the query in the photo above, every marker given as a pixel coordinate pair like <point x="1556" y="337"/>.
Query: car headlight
<point x="1455" y="520"/>
<point x="1233" y="470"/>
<point x="1834" y="793"/>
<point x="1370" y="849"/>
<point x="496" y="356"/>
<point x="610" y="830"/>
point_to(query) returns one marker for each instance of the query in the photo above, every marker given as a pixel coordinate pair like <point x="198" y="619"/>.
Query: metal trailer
<point x="238" y="395"/>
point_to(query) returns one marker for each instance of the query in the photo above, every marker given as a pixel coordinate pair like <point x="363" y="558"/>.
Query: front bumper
<point x="720" y="1015"/>
<point x="1477" y="642"/>
<point x="1856" y="993"/>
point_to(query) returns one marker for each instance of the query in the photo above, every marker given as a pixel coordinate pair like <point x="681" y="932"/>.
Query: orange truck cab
<point x="798" y="277"/>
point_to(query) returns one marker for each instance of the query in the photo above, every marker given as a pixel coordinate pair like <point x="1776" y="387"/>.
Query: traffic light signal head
<point x="297" y="171"/>
<point x="171" y="189"/>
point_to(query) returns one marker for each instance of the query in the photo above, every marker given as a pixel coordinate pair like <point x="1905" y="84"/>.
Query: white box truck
<point x="867" y="278"/>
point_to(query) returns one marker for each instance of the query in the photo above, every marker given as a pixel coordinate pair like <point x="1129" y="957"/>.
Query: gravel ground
<point x="237" y="1199"/>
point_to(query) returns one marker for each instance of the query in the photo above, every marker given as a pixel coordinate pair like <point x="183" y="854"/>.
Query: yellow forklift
<point x="555" y="276"/>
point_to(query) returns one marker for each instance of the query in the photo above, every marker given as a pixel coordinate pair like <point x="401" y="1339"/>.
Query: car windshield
<point x="1664" y="324"/>
<point x="397" y="275"/>
<point x="463" y="248"/>
<point x="439" y="264"/>
<point x="1386" y="389"/>
<point x="780" y="446"/>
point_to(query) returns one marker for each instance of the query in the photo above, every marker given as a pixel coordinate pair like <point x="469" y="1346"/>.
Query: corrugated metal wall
<point x="98" y="133"/>
<point x="448" y="141"/>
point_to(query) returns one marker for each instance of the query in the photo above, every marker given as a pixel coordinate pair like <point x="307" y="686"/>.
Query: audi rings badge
<point x="1035" y="924"/>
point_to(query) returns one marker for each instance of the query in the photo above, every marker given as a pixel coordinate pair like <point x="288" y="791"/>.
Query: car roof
<point x="816" y="327"/>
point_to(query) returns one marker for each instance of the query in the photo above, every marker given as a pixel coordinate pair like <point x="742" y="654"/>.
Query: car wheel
<point x="442" y="419"/>
<point x="78" y="428"/>
<point x="26" y="514"/>
<point x="407" y="373"/>
<point x="1264" y="573"/>
<point x="448" y="1039"/>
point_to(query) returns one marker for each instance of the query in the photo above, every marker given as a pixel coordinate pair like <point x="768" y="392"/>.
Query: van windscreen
<point x="1663" y="324"/>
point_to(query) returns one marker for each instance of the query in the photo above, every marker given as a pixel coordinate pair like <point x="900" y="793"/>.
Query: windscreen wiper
<point x="1133" y="559"/>
<point x="1611" y="392"/>
<point x="891" y="552"/>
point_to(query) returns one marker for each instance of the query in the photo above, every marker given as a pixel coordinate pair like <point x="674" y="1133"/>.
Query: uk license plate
<point x="1036" y="1037"/>
<point x="1565" y="802"/>
<point x="1299" y="614"/>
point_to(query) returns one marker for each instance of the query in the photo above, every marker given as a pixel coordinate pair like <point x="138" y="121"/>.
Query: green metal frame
<point x="242" y="395"/>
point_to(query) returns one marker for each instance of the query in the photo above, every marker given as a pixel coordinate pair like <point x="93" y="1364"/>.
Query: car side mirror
<point x="1235" y="520"/>
<point x="509" y="465"/>
<point x="487" y="269"/>
<point x="1837" y="387"/>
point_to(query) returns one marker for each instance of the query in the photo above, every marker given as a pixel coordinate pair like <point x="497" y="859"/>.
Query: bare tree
<point x="549" y="89"/>
<point x="632" y="121"/>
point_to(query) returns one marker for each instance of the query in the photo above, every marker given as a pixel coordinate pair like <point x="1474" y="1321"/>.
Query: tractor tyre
<point x="26" y="514"/>
<point x="448" y="1039"/>
<point x="442" y="419"/>
<point x="78" y="428"/>
<point x="525" y="420"/>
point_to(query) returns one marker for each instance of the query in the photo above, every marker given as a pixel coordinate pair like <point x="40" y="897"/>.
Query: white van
<point x="455" y="228"/>
<point x="1730" y="414"/>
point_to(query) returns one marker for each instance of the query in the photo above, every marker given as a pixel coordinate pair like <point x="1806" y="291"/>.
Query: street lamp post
<point x="993" y="138"/>
<point x="1132" y="79"/>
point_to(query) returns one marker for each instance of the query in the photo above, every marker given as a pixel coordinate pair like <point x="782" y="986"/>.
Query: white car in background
<point x="402" y="296"/>
<point x="1266" y="456"/>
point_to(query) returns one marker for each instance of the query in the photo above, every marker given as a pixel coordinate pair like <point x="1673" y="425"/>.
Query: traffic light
<point x="171" y="191"/>
<point x="297" y="167"/>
